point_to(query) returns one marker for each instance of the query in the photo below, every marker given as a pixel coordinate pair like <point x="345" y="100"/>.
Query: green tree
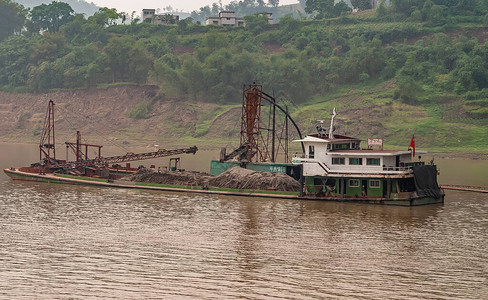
<point x="126" y="60"/>
<point x="470" y="74"/>
<point x="408" y="89"/>
<point x="326" y="8"/>
<point x="74" y="29"/>
<point x="15" y="59"/>
<point x="340" y="9"/>
<point x="12" y="18"/>
<point x="290" y="27"/>
<point x="403" y="6"/>
<point x="165" y="72"/>
<point x="185" y="25"/>
<point x="256" y="23"/>
<point x="40" y="77"/>
<point x="192" y="74"/>
<point x="364" y="58"/>
<point x="465" y="6"/>
<point x="201" y="15"/>
<point x="50" y="17"/>
<point x="361" y="4"/>
<point x="140" y="64"/>
<point x="321" y="7"/>
<point x="51" y="47"/>
<point x="437" y="15"/>
<point x="106" y="16"/>
<point x="78" y="64"/>
<point x="285" y="73"/>
<point x="407" y="7"/>
<point x="381" y="10"/>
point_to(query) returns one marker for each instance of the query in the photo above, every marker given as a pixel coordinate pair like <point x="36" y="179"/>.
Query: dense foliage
<point x="326" y="8"/>
<point x="50" y="17"/>
<point x="298" y="58"/>
<point x="12" y="18"/>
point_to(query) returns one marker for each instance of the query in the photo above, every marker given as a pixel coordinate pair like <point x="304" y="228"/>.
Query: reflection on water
<point x="60" y="240"/>
<point x="64" y="241"/>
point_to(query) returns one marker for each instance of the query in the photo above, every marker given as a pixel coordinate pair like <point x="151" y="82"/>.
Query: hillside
<point x="392" y="72"/>
<point x="102" y="116"/>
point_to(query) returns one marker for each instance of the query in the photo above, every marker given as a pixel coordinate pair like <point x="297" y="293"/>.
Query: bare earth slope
<point x="101" y="116"/>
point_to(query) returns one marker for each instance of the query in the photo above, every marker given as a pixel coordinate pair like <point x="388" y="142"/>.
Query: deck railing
<point x="403" y="166"/>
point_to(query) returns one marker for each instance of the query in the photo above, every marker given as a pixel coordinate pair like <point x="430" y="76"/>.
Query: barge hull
<point x="52" y="178"/>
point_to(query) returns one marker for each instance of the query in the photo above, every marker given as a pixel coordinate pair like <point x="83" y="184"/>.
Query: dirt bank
<point x="101" y="115"/>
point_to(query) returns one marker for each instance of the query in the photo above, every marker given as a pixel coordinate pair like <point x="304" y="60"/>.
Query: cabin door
<point x="342" y="186"/>
<point x="364" y="187"/>
<point x="397" y="161"/>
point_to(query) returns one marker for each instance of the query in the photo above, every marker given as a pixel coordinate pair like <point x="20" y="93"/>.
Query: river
<point x="72" y="242"/>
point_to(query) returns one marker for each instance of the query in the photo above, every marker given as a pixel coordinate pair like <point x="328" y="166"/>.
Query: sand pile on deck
<point x="235" y="178"/>
<point x="240" y="178"/>
<point x="170" y="177"/>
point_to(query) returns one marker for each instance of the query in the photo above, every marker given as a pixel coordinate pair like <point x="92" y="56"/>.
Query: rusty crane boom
<point x="105" y="161"/>
<point x="48" y="155"/>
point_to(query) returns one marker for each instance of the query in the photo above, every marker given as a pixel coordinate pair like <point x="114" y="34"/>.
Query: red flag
<point x="412" y="145"/>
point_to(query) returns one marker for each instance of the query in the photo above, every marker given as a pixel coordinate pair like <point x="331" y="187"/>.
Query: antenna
<point x="331" y="129"/>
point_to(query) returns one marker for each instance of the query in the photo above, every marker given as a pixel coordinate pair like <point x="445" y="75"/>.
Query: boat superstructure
<point x="335" y="165"/>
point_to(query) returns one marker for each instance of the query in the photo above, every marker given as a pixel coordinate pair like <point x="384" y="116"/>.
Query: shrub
<point x="140" y="111"/>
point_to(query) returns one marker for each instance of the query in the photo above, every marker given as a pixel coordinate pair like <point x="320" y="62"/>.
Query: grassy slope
<point x="370" y="111"/>
<point x="364" y="111"/>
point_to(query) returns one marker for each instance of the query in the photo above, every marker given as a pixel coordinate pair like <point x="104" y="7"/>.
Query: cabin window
<point x="355" y="161"/>
<point x="340" y="146"/>
<point x="373" y="161"/>
<point x="328" y="146"/>
<point x="338" y="161"/>
<point x="311" y="151"/>
<point x="374" y="184"/>
<point x="353" y="182"/>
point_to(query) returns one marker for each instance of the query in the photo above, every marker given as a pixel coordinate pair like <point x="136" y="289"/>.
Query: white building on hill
<point x="149" y="15"/>
<point x="225" y="18"/>
<point x="228" y="18"/>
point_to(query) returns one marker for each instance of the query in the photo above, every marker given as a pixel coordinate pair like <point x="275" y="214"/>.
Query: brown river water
<point x="75" y="242"/>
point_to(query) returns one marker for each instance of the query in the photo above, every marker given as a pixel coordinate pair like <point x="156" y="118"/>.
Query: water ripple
<point x="67" y="242"/>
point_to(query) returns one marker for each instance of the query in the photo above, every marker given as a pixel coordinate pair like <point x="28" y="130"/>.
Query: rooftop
<point x="324" y="138"/>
